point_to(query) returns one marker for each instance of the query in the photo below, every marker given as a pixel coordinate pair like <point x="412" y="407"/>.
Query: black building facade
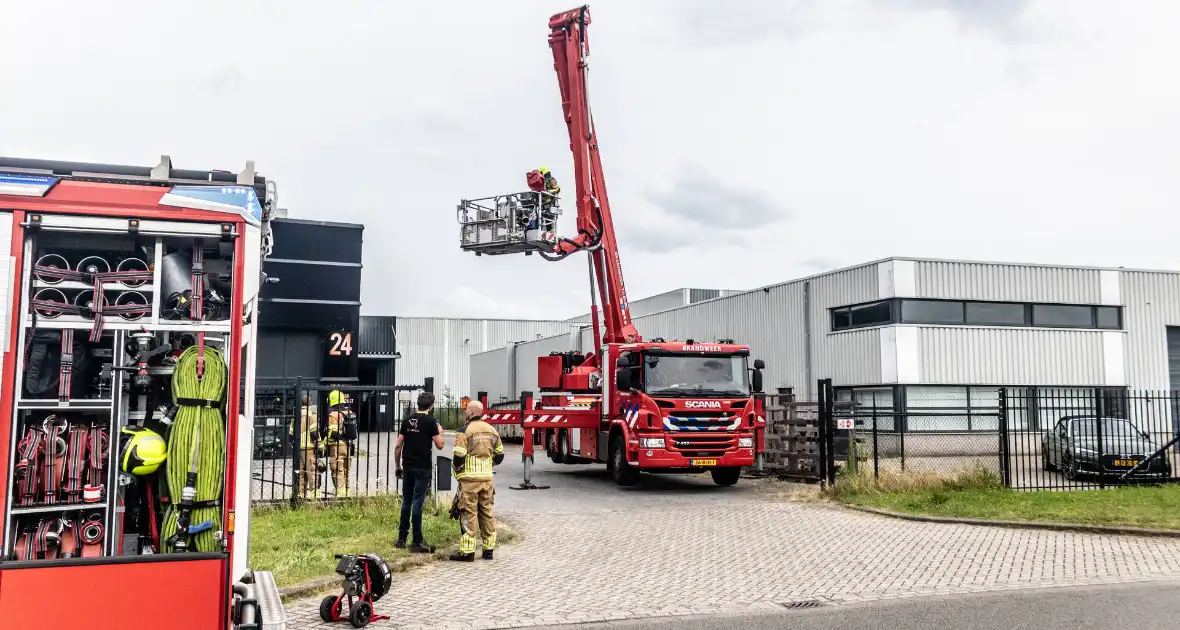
<point x="309" y="308"/>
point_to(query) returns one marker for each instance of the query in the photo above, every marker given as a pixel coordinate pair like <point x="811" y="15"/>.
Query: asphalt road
<point x="1141" y="606"/>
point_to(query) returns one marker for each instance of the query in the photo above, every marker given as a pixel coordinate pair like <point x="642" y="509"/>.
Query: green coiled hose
<point x="211" y="446"/>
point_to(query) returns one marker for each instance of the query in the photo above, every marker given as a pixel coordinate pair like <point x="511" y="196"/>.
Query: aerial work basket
<point x="509" y="224"/>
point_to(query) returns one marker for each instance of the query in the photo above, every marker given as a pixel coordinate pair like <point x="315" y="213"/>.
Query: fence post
<point x="876" y="457"/>
<point x="831" y="422"/>
<point x="1002" y="425"/>
<point x="297" y="429"/>
<point x="902" y="421"/>
<point x="822" y="432"/>
<point x="1098" y="432"/>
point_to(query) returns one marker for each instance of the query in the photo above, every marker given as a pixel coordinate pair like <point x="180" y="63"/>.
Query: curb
<point x="1060" y="527"/>
<point x="400" y="565"/>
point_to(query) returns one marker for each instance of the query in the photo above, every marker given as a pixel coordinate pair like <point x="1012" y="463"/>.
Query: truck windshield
<point x="672" y="375"/>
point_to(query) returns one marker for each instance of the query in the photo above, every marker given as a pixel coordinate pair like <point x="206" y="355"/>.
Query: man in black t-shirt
<point x="413" y="456"/>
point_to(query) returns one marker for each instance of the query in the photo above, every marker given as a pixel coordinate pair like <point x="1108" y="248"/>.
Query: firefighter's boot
<point x="487" y="554"/>
<point x="401" y="542"/>
<point x="463" y="557"/>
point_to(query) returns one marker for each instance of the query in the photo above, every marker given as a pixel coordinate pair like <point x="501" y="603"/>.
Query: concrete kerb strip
<point x="399" y="565"/>
<point x="1062" y="527"/>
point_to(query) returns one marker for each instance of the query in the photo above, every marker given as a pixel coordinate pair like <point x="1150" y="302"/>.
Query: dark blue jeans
<point x="415" y="483"/>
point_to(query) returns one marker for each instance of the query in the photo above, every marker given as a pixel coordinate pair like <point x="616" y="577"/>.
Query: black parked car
<point x="1073" y="446"/>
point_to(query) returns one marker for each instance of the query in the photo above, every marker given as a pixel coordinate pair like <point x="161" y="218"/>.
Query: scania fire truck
<point x="658" y="406"/>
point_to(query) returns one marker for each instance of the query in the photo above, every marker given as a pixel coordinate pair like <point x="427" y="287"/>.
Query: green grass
<point x="299" y="545"/>
<point x="977" y="493"/>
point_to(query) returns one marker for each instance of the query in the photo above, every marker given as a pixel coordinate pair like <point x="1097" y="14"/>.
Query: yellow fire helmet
<point x="336" y="397"/>
<point x="544" y="170"/>
<point x="142" y="452"/>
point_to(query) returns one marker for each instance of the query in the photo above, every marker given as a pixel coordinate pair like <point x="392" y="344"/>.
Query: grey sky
<point x="743" y="142"/>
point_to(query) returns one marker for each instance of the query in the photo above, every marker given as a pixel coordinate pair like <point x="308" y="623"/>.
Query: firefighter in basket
<point x="312" y="461"/>
<point x="477" y="449"/>
<point x="542" y="181"/>
<point x="340" y="440"/>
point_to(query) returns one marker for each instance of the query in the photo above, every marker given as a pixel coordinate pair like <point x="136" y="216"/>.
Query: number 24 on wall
<point x="341" y="344"/>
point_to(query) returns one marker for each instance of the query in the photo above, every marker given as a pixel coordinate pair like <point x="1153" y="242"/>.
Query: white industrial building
<point x="903" y="333"/>
<point x="441" y="347"/>
<point x="667" y="300"/>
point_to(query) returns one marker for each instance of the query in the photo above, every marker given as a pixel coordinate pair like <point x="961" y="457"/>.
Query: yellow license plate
<point x="702" y="462"/>
<point x="1126" y="463"/>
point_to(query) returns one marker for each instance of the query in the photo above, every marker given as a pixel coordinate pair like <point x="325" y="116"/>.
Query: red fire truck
<point x="658" y="406"/>
<point x="128" y="327"/>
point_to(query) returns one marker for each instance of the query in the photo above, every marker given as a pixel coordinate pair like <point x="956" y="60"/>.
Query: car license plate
<point x="702" y="462"/>
<point x="1126" y="463"/>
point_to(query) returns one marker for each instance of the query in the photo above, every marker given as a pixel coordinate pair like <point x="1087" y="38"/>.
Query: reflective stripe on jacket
<point x="335" y="428"/>
<point x="475" y="449"/>
<point x="307" y="421"/>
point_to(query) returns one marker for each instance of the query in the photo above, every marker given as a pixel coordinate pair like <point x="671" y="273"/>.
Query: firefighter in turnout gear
<point x="341" y="432"/>
<point x="477" y="449"/>
<point x="310" y="447"/>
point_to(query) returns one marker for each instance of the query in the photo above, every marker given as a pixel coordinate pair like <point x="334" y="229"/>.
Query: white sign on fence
<point x="844" y="423"/>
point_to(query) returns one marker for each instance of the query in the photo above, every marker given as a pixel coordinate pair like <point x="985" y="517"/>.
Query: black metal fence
<point x="1065" y="439"/>
<point x="1029" y="438"/>
<point x="296" y="460"/>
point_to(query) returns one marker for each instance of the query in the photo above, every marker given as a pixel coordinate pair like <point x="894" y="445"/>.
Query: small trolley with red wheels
<point x="366" y="579"/>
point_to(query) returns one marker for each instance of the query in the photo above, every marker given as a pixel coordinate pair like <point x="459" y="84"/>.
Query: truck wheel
<point x="551" y="447"/>
<point x="622" y="472"/>
<point x="563" y="447"/>
<point x="726" y="476"/>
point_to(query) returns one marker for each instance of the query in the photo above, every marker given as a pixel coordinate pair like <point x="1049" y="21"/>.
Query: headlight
<point x="1086" y="451"/>
<point x="652" y="442"/>
<point x="746" y="442"/>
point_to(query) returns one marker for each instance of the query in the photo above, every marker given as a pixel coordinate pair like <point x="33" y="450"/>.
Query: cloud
<point x="700" y="197"/>
<point x="997" y="17"/>
<point x="745" y="143"/>
<point x="739" y="22"/>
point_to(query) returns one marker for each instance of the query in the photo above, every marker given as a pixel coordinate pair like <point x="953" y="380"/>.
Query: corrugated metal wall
<point x="526" y="361"/>
<point x="998" y="281"/>
<point x="491" y="373"/>
<point x="377" y="337"/>
<point x="442" y="348"/>
<point x="770" y="321"/>
<point x="849" y="357"/>
<point x="998" y="356"/>
<point x="1152" y="303"/>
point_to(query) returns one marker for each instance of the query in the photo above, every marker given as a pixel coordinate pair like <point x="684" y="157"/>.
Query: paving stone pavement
<point x="676" y="546"/>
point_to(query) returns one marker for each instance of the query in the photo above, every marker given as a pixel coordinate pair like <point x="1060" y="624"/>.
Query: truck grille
<point x="702" y="445"/>
<point x="700" y="421"/>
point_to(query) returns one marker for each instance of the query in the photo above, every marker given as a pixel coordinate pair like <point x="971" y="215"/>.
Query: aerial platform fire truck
<point x="657" y="406"/>
<point x="129" y="330"/>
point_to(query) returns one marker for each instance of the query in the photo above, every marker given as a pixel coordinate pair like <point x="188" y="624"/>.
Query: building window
<point x="937" y="409"/>
<point x="1109" y="317"/>
<point x="1063" y="316"/>
<point x="870" y="404"/>
<point x="931" y="312"/>
<point x="877" y="313"/>
<point x="997" y="314"/>
<point x="976" y="313"/>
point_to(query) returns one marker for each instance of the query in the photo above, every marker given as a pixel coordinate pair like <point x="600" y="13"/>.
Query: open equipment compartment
<point x="127" y="295"/>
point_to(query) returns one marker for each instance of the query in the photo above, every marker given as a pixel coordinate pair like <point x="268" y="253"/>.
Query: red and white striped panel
<point x="547" y="419"/>
<point x="548" y="236"/>
<point x="500" y="417"/>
